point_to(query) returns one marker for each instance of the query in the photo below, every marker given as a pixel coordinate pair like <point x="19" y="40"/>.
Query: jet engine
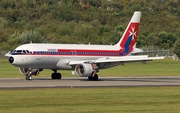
<point x="84" y="70"/>
<point x="25" y="71"/>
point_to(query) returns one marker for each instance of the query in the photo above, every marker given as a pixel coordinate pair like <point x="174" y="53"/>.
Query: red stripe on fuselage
<point x="86" y="50"/>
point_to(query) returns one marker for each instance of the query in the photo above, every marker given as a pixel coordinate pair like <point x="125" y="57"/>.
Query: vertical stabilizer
<point x="129" y="38"/>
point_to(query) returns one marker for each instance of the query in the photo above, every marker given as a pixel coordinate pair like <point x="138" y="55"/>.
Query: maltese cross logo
<point x="132" y="33"/>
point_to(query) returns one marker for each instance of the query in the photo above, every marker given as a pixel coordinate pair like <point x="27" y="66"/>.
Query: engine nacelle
<point x="24" y="71"/>
<point x="84" y="70"/>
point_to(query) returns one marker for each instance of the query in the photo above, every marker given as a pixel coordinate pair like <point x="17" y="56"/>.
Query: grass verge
<point x="88" y="100"/>
<point x="166" y="67"/>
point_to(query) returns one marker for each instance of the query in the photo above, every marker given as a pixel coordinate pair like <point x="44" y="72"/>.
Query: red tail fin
<point x="129" y="38"/>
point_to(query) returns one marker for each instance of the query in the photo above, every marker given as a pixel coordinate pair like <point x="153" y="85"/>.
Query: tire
<point x="53" y="76"/>
<point x="90" y="78"/>
<point x="95" y="78"/>
<point x="28" y="78"/>
<point x="58" y="76"/>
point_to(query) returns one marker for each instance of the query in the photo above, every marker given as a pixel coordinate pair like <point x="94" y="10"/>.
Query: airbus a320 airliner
<point x="85" y="60"/>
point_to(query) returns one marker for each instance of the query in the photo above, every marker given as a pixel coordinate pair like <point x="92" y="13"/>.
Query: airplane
<point x="85" y="59"/>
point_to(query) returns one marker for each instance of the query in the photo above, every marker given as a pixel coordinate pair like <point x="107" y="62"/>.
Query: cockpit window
<point x="18" y="52"/>
<point x="24" y="51"/>
<point x="27" y="51"/>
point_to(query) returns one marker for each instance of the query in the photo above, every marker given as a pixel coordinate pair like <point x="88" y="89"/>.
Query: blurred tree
<point x="141" y="41"/>
<point x="176" y="47"/>
<point x="102" y="21"/>
<point x="31" y="36"/>
<point x="167" y="39"/>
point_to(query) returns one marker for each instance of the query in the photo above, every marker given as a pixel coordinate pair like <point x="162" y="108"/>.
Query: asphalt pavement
<point x="76" y="82"/>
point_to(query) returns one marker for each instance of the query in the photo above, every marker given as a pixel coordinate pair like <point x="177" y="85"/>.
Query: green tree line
<point x="88" y="21"/>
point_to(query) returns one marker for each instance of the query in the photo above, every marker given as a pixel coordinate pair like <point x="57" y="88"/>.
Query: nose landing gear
<point x="28" y="76"/>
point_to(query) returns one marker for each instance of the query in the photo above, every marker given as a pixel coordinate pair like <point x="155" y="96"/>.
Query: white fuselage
<point x="57" y="56"/>
<point x="48" y="55"/>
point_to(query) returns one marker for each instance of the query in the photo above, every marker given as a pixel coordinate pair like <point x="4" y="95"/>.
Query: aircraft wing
<point x="142" y="58"/>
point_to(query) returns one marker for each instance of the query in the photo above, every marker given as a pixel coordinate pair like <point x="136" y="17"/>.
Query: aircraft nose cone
<point x="11" y="59"/>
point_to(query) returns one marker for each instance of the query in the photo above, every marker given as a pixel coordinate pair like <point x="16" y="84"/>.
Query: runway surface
<point x="76" y="82"/>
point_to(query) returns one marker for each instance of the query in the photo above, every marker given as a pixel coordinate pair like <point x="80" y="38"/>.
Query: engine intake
<point x="84" y="70"/>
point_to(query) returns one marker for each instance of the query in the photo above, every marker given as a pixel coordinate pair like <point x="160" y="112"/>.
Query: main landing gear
<point x="56" y="75"/>
<point x="93" y="77"/>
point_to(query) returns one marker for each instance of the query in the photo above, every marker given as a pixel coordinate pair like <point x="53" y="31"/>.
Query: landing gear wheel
<point x="53" y="76"/>
<point x="93" y="78"/>
<point x="28" y="78"/>
<point x="90" y="78"/>
<point x="58" y="76"/>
